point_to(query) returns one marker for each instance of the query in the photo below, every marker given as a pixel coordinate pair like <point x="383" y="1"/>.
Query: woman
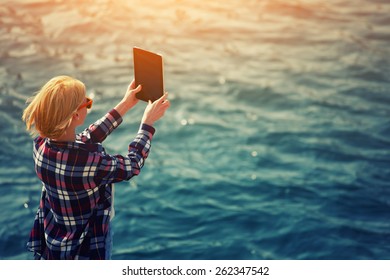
<point x="73" y="219"/>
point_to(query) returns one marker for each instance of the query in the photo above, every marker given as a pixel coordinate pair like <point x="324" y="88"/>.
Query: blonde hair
<point x="50" y="111"/>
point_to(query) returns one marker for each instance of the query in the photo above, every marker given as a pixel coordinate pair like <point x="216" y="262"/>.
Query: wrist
<point x="122" y="107"/>
<point x="148" y="122"/>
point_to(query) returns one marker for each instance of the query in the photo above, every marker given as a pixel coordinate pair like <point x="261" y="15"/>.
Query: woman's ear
<point x="76" y="116"/>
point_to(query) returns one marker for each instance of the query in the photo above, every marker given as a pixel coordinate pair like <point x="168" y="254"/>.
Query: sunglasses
<point x="87" y="104"/>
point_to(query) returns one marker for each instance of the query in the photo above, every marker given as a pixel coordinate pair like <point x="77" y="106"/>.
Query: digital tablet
<point x="148" y="71"/>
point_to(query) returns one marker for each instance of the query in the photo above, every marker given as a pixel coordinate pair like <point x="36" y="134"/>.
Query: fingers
<point x="162" y="98"/>
<point x="166" y="103"/>
<point x="132" y="84"/>
<point x="160" y="104"/>
<point x="137" y="89"/>
<point x="165" y="100"/>
<point x="155" y="110"/>
<point x="133" y="88"/>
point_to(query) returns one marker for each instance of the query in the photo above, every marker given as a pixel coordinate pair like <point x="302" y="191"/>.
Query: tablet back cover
<point x="148" y="71"/>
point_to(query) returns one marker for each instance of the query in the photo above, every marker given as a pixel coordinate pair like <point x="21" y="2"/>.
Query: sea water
<point x="276" y="145"/>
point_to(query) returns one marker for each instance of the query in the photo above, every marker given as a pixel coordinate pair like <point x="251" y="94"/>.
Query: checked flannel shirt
<point x="73" y="216"/>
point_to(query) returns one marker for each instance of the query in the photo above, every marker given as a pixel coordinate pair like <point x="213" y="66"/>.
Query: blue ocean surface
<point x="276" y="145"/>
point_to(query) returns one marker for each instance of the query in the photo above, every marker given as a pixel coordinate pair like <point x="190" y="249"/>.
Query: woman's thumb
<point x="138" y="88"/>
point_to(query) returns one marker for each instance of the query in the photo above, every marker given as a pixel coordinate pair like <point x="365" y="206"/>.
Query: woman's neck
<point x="68" y="136"/>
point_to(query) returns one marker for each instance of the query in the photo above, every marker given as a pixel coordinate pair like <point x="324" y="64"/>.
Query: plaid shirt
<point x="74" y="212"/>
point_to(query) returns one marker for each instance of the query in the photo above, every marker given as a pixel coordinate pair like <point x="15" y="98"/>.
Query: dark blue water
<point x="276" y="145"/>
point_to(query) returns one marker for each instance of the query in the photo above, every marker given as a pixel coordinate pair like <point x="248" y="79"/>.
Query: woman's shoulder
<point x="76" y="146"/>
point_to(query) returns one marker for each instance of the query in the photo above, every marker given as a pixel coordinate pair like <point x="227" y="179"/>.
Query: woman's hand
<point x="129" y="100"/>
<point x="154" y="111"/>
<point x="130" y="97"/>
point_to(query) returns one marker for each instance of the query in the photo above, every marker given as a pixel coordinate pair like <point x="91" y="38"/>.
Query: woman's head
<point x="51" y="110"/>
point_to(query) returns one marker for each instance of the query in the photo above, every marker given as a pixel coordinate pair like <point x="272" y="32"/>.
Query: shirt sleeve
<point x="98" y="131"/>
<point x="118" y="168"/>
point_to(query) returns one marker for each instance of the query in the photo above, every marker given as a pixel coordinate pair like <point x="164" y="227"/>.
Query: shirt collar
<point x="76" y="145"/>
